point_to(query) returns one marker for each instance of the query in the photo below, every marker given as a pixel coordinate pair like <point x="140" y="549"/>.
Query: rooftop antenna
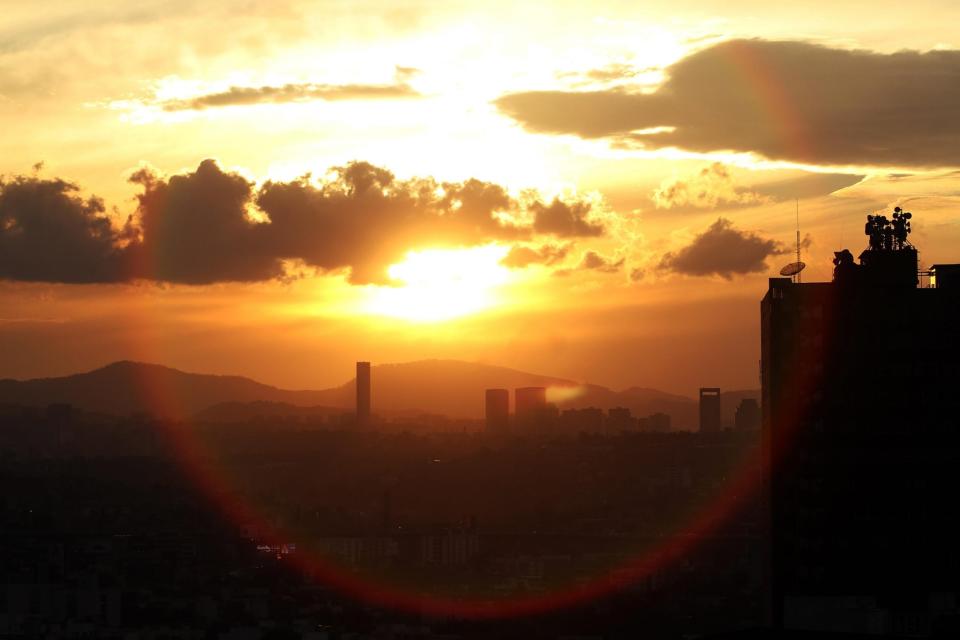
<point x="797" y="201"/>
<point x="794" y="268"/>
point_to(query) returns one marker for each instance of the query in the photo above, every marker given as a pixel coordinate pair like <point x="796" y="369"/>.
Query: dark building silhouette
<point x="497" y="410"/>
<point x="710" y="410"/>
<point x="747" y="417"/>
<point x="945" y="276"/>
<point x="363" y="393"/>
<point x="529" y="403"/>
<point x="658" y="422"/>
<point x="620" y="419"/>
<point x="860" y="438"/>
<point x="654" y="423"/>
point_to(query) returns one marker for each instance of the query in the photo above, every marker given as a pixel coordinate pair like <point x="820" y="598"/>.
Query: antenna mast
<point x="794" y="268"/>
<point x="797" y="200"/>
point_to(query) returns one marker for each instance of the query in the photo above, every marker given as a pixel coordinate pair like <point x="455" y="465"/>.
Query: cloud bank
<point x="49" y="233"/>
<point x="211" y="225"/>
<point x="784" y="100"/>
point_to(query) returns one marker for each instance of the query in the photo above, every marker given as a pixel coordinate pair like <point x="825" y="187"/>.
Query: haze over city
<point x="666" y="144"/>
<point x="455" y="320"/>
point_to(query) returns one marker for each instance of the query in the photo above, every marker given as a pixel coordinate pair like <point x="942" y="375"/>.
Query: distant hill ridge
<point x="127" y="387"/>
<point x="449" y="387"/>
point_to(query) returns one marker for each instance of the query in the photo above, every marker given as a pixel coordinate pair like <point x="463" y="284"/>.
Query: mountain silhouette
<point x="125" y="387"/>
<point x="448" y="387"/>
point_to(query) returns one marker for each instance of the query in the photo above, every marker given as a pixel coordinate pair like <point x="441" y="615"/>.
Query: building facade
<point x="860" y="443"/>
<point x="530" y="404"/>
<point x="710" y="421"/>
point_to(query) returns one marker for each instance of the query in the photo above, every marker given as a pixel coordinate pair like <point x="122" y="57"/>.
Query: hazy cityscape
<point x="485" y="519"/>
<point x="418" y="320"/>
<point x="283" y="520"/>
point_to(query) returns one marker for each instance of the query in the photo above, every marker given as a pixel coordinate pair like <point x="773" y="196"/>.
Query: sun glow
<point x="440" y="284"/>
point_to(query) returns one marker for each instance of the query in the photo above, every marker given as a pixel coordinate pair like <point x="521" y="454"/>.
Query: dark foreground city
<point x="409" y="319"/>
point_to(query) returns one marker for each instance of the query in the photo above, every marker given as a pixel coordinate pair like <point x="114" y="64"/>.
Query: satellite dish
<point x="793" y="268"/>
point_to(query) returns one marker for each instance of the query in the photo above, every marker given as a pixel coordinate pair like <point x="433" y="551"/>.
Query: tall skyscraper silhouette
<point x="710" y="410"/>
<point x="529" y="403"/>
<point x="363" y="393"/>
<point x="497" y="410"/>
<point x="859" y="433"/>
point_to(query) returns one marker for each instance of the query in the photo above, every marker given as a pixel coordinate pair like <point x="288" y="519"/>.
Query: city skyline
<point x="479" y="320"/>
<point x="637" y="261"/>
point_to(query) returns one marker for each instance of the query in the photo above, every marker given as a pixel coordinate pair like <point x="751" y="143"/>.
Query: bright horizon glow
<point x="441" y="284"/>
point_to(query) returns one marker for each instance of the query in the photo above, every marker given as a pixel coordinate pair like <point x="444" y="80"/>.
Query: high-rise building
<point x="859" y="432"/>
<point x="497" y="410"/>
<point x="363" y="393"/>
<point x="529" y="403"/>
<point x="710" y="410"/>
<point x="747" y="417"/>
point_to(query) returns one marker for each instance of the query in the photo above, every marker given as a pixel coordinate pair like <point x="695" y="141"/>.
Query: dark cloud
<point x="784" y="100"/>
<point x="722" y="250"/>
<point x="637" y="274"/>
<point x="210" y="225"/>
<point x="588" y="114"/>
<point x="593" y="261"/>
<point x="49" y="233"/>
<point x="195" y="229"/>
<point x="547" y="254"/>
<point x="564" y="219"/>
<point x="293" y="93"/>
<point x="365" y="219"/>
<point x="596" y="262"/>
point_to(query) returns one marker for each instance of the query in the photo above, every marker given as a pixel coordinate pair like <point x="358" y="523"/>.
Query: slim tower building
<point x="363" y="393"/>
<point x="710" y="410"/>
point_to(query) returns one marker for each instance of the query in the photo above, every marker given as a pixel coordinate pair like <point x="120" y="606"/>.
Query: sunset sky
<point x="592" y="190"/>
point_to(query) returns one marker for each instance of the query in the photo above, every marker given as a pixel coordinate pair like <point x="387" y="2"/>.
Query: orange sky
<point x="636" y="176"/>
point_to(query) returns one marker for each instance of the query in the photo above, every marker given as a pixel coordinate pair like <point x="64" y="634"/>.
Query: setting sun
<point x="473" y="320"/>
<point x="439" y="284"/>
